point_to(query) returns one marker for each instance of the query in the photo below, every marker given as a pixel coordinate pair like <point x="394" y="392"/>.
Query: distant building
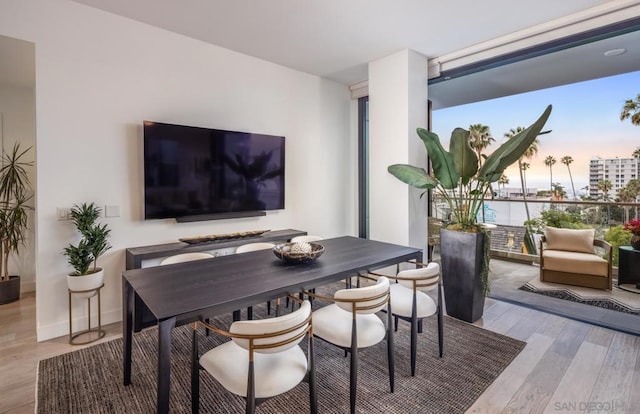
<point x="516" y="192"/>
<point x="617" y="170"/>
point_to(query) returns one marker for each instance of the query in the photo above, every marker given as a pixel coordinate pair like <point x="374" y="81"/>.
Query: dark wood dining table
<point x="185" y="292"/>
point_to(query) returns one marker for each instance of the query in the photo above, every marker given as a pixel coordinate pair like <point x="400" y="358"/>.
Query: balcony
<point x="510" y="214"/>
<point x="513" y="267"/>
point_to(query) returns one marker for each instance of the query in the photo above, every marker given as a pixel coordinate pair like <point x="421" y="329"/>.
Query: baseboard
<point x="28" y="287"/>
<point x="61" y="328"/>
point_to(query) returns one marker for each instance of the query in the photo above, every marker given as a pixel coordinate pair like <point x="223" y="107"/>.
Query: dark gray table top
<point x="227" y="283"/>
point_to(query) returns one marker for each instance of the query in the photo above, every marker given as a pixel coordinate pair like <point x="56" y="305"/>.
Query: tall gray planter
<point x="461" y="257"/>
<point x="10" y="290"/>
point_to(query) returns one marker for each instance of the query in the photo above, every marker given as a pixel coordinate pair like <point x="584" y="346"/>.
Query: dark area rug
<point x="90" y="380"/>
<point x="616" y="299"/>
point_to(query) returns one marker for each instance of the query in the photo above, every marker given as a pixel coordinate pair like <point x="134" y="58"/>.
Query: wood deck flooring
<point x="566" y="367"/>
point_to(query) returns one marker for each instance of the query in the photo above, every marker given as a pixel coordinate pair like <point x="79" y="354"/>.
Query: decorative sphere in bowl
<point x="301" y="252"/>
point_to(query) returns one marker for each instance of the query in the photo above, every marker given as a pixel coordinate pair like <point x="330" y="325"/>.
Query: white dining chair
<point x="412" y="304"/>
<point x="308" y="239"/>
<point x="253" y="247"/>
<point x="351" y="323"/>
<point x="263" y="359"/>
<point x="185" y="257"/>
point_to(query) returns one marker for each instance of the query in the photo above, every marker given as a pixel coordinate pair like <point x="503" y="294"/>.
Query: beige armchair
<point x="568" y="256"/>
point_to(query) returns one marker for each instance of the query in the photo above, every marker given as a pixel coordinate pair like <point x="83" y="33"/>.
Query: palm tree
<point x="636" y="153"/>
<point x="586" y="191"/>
<point x="528" y="154"/>
<point x="625" y="195"/>
<point x="634" y="191"/>
<point x="549" y="161"/>
<point x="631" y="109"/>
<point x="558" y="191"/>
<point x="567" y="160"/>
<point x="524" y="166"/>
<point x="480" y="138"/>
<point x="605" y="186"/>
<point x="502" y="180"/>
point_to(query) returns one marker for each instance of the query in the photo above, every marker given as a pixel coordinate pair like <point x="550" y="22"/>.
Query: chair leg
<point x="207" y="321"/>
<point x="195" y="375"/>
<point x="251" y="391"/>
<point x="353" y="380"/>
<point x="414" y="335"/>
<point x="250" y="313"/>
<point x="268" y="307"/>
<point x="440" y="322"/>
<point x="420" y="326"/>
<point x="390" y="353"/>
<point x="313" y="396"/>
<point x="395" y="323"/>
<point x="440" y="331"/>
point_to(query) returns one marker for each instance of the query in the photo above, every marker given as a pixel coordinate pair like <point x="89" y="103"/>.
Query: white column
<point x="397" y="106"/>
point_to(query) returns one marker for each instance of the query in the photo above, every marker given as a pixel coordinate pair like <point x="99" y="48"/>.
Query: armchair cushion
<point x="572" y="240"/>
<point x="574" y="262"/>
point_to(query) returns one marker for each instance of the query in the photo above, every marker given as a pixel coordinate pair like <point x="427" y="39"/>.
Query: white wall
<point x="18" y="124"/>
<point x="397" y="105"/>
<point x="98" y="76"/>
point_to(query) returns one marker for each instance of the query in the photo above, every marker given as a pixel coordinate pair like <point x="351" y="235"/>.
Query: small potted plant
<point x="633" y="226"/>
<point x="83" y="257"/>
<point x="14" y="204"/>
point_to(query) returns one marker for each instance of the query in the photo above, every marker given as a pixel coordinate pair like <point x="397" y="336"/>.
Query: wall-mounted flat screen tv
<point x="191" y="171"/>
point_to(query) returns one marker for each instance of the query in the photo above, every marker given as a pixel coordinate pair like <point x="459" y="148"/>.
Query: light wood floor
<point x="566" y="367"/>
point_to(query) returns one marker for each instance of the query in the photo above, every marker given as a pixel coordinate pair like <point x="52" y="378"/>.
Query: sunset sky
<point x="584" y="122"/>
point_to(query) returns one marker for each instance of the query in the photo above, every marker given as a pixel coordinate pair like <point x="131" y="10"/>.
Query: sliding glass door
<point x="363" y="167"/>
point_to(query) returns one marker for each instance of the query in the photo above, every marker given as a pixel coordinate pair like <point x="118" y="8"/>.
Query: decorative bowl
<point x="298" y="252"/>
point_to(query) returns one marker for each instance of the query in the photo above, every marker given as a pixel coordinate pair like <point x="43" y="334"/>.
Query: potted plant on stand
<point x="14" y="198"/>
<point x="462" y="183"/>
<point x="83" y="257"/>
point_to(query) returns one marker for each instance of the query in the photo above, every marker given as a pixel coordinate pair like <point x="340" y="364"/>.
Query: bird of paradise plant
<point x="457" y="176"/>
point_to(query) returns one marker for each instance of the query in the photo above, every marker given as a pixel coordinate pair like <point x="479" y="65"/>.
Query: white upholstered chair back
<point x="425" y="278"/>
<point x="252" y="247"/>
<point x="185" y="257"/>
<point x="301" y="239"/>
<point x="282" y="329"/>
<point x="367" y="300"/>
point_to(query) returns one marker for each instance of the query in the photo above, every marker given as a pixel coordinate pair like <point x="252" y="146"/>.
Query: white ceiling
<point x="336" y="39"/>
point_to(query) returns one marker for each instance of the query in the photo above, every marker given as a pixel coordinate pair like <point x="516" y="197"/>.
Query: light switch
<point x="62" y="213"/>
<point x="112" y="211"/>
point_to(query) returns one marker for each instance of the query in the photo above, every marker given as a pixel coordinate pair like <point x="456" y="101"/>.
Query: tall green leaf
<point x="414" y="176"/>
<point x="441" y="160"/>
<point x="512" y="150"/>
<point x="465" y="159"/>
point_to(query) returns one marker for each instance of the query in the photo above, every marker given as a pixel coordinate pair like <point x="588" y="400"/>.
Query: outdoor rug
<point x="90" y="380"/>
<point x="617" y="299"/>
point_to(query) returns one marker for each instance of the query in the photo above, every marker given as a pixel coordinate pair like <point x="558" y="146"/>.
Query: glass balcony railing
<point x="510" y="216"/>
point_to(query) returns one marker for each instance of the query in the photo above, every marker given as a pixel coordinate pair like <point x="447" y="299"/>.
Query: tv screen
<point x="192" y="171"/>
